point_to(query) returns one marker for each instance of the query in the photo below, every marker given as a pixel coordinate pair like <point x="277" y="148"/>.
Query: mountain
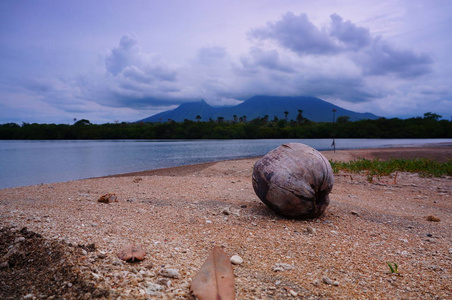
<point x="314" y="109"/>
<point x="184" y="111"/>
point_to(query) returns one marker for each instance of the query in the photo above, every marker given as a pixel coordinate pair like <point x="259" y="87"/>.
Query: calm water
<point x="35" y="162"/>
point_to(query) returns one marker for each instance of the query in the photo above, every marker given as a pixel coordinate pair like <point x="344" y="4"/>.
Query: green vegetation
<point x="429" y="126"/>
<point x="394" y="268"/>
<point x="424" y="167"/>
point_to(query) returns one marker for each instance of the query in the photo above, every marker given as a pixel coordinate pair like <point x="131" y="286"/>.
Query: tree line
<point x="428" y="126"/>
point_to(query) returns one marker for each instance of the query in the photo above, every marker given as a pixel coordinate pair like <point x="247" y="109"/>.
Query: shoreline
<point x="441" y="152"/>
<point x="19" y="178"/>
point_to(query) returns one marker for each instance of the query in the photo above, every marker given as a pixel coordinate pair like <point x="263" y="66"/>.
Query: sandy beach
<point x="59" y="242"/>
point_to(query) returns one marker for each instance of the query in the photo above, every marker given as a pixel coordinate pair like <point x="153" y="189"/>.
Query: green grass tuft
<point x="425" y="167"/>
<point x="393" y="267"/>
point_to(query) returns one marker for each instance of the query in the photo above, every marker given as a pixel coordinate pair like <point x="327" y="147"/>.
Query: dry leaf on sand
<point x="131" y="253"/>
<point x="215" y="279"/>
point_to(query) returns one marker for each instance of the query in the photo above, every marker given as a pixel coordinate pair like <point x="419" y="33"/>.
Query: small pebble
<point x="236" y="260"/>
<point x="328" y="281"/>
<point x="170" y="273"/>
<point x="279" y="267"/>
<point x="19" y="239"/>
<point x="235" y="212"/>
<point x="433" y="219"/>
<point x="153" y="289"/>
<point x="311" y="230"/>
<point x="102" y="255"/>
<point x="316" y="283"/>
<point x="164" y="281"/>
<point x="4" y="265"/>
<point x="117" y="262"/>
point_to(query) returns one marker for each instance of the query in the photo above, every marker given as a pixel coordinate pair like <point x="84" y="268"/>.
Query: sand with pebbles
<point x="70" y="244"/>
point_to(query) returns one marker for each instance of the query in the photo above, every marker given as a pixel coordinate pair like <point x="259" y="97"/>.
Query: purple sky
<point x="109" y="61"/>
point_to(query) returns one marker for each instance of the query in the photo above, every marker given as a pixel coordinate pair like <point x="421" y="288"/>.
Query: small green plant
<point x="393" y="267"/>
<point x="376" y="167"/>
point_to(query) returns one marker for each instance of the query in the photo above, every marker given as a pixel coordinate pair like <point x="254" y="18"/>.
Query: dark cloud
<point x="150" y="73"/>
<point x="268" y="59"/>
<point x="40" y="86"/>
<point x="137" y="102"/>
<point x="352" y="36"/>
<point x="373" y="55"/>
<point x="136" y="95"/>
<point x="383" y="58"/>
<point x="298" y="34"/>
<point x="351" y="89"/>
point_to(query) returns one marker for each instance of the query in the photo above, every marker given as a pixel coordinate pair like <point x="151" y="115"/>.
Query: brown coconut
<point x="294" y="180"/>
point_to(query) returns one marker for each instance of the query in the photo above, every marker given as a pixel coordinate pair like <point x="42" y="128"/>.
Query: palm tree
<point x="286" y="113"/>
<point x="198" y="117"/>
<point x="300" y="117"/>
<point x="334" y="142"/>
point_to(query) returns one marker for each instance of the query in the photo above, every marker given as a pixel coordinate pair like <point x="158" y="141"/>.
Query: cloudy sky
<point x="111" y="60"/>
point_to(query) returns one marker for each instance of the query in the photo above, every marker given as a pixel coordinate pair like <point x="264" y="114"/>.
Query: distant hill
<point x="314" y="109"/>
<point x="184" y="111"/>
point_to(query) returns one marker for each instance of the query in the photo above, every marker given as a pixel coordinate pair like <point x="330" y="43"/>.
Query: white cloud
<point x="128" y="53"/>
<point x="211" y="55"/>
<point x="134" y="78"/>
<point x="131" y="62"/>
